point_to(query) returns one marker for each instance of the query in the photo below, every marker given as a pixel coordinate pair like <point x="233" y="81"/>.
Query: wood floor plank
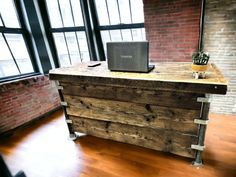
<point x="43" y="150"/>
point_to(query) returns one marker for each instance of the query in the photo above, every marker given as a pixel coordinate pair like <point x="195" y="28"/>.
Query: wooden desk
<point x="166" y="109"/>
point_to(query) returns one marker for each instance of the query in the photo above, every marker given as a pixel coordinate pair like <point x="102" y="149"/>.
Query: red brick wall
<point x="172" y="28"/>
<point x="22" y="101"/>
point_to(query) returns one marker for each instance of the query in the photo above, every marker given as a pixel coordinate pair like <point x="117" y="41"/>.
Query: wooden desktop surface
<point x="165" y="76"/>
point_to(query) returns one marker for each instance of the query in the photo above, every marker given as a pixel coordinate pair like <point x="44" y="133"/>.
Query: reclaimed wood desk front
<point x="166" y="109"/>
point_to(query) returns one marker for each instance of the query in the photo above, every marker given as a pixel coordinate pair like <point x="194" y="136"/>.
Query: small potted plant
<point x="200" y="64"/>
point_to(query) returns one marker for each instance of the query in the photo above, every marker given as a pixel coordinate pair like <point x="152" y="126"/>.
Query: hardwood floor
<point x="43" y="150"/>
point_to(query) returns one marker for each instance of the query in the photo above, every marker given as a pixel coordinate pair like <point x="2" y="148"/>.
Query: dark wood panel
<point x="145" y="84"/>
<point x="174" y="99"/>
<point x="158" y="139"/>
<point x="134" y="114"/>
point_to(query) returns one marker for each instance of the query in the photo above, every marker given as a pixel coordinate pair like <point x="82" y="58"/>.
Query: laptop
<point x="128" y="56"/>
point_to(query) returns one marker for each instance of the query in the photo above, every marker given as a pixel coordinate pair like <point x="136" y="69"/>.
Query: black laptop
<point x="128" y="56"/>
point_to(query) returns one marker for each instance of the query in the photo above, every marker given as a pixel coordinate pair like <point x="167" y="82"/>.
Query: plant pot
<point x="199" y="71"/>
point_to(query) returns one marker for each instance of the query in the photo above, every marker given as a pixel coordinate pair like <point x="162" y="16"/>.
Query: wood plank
<point x="165" y="76"/>
<point x="43" y="150"/>
<point x="134" y="114"/>
<point x="136" y="95"/>
<point x="158" y="139"/>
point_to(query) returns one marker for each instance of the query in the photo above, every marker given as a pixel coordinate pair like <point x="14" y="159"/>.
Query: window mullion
<point x="119" y="18"/>
<point x="81" y="59"/>
<point x="2" y="20"/>
<point x="131" y="18"/>
<point x="77" y="41"/>
<point x="59" y="8"/>
<point x="12" y="55"/>
<point x="131" y="34"/>
<point x="26" y="36"/>
<point x="130" y="11"/>
<point x="67" y="48"/>
<point x="122" y="26"/>
<point x="108" y="19"/>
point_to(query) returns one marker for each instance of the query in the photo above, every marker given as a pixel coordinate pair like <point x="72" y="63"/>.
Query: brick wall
<point x="22" y="101"/>
<point x="220" y="42"/>
<point x="172" y="28"/>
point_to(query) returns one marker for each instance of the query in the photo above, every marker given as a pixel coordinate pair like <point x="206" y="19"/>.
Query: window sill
<point x="12" y="79"/>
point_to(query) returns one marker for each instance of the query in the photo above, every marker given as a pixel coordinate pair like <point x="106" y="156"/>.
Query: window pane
<point x="126" y="34"/>
<point x="115" y="35"/>
<point x="125" y="11"/>
<point x="138" y="34"/>
<point x="102" y="12"/>
<point x="113" y="12"/>
<point x="77" y="13"/>
<point x="124" y="7"/>
<point x="61" y="49"/>
<point x="137" y="11"/>
<point x="66" y="13"/>
<point x="7" y="65"/>
<point x="54" y="14"/>
<point x="1" y="23"/>
<point x="105" y="38"/>
<point x="73" y="47"/>
<point x="19" y="50"/>
<point x="143" y="34"/>
<point x="8" y="12"/>
<point x="83" y="46"/>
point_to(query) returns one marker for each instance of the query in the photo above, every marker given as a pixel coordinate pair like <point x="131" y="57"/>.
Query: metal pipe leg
<point x="202" y="132"/>
<point x="72" y="135"/>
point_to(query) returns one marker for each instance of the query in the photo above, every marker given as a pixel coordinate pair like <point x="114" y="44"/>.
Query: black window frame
<point x="120" y="26"/>
<point x="27" y="40"/>
<point x="92" y="28"/>
<point x="50" y="30"/>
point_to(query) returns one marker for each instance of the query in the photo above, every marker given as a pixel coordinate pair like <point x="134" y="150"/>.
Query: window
<point x="120" y="20"/>
<point x="70" y="40"/>
<point x="15" y="58"/>
<point x="68" y="31"/>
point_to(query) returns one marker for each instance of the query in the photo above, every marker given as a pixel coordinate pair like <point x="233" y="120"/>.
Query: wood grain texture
<point x="158" y="139"/>
<point x="176" y="99"/>
<point x="44" y="150"/>
<point x="143" y="115"/>
<point x="165" y="76"/>
<point x="164" y="99"/>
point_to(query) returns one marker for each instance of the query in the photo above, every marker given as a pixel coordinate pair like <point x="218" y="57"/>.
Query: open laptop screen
<point x="128" y="56"/>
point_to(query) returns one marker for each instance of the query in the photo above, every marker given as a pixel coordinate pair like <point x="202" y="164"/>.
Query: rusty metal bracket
<point x="69" y="121"/>
<point x="63" y="103"/>
<point x="204" y="99"/>
<point x="201" y="122"/>
<point x="58" y="86"/>
<point x="197" y="147"/>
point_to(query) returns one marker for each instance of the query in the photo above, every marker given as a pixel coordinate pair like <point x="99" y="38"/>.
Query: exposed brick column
<point x="172" y="28"/>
